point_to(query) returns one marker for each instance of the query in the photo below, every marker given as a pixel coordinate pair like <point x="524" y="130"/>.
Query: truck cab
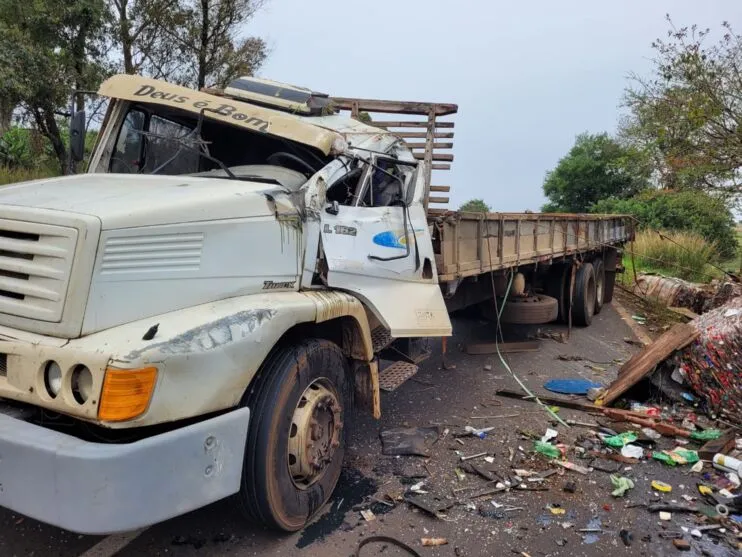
<point x="194" y="317"/>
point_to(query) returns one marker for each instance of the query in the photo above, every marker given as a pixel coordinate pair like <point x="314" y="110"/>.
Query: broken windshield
<point x="153" y="140"/>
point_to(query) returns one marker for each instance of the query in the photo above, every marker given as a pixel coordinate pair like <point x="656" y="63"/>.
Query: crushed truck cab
<point x="197" y="315"/>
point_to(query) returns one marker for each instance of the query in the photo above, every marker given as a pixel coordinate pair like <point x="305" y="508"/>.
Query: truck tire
<point x="557" y="286"/>
<point x="530" y="310"/>
<point x="296" y="438"/>
<point x="583" y="305"/>
<point x="599" y="269"/>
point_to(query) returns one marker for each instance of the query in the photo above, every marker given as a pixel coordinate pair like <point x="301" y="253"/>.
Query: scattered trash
<point x="678" y="455"/>
<point x="727" y="463"/>
<point x="652" y="434"/>
<point x="705" y="490"/>
<point x="460" y="474"/>
<point x="626" y="537"/>
<point x="418" y="487"/>
<point x="547" y="449"/>
<point x="697" y="467"/>
<point x="433" y="542"/>
<point x="556" y="509"/>
<point x="681" y="544"/>
<point x="368" y="515"/>
<point x="572" y="466"/>
<point x="665" y="515"/>
<point x="621" y="485"/>
<point x="632" y="451"/>
<point x="549" y="435"/>
<point x="706" y="435"/>
<point x="472" y="457"/>
<point x="489" y="459"/>
<point x="481" y="433"/>
<point x="408" y="441"/>
<point x="661" y="486"/>
<point x="621" y="439"/>
<point x="570" y="386"/>
<point x="644" y="409"/>
<point x="561" y="542"/>
<point x="570" y="487"/>
<point x="696" y="533"/>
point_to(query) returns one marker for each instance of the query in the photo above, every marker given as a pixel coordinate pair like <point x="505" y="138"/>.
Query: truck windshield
<point x="157" y="148"/>
<point x="156" y="140"/>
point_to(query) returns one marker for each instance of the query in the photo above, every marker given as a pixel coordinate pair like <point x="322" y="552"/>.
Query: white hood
<point x="126" y="201"/>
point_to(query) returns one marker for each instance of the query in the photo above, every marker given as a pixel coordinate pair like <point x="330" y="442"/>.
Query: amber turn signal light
<point x="126" y="393"/>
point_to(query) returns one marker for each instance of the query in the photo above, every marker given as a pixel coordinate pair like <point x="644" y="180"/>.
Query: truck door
<point x="377" y="245"/>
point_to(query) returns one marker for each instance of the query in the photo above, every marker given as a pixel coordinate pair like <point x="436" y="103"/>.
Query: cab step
<point x="380" y="339"/>
<point x="395" y="374"/>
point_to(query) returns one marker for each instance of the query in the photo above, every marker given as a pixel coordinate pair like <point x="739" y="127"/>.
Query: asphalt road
<point x="449" y="398"/>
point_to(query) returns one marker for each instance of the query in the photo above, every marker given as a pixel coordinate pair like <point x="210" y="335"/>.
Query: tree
<point x="204" y="33"/>
<point x="475" y="206"/>
<point x="687" y="210"/>
<point x="596" y="167"/>
<point x="49" y="48"/>
<point x="139" y="31"/>
<point x="688" y="113"/>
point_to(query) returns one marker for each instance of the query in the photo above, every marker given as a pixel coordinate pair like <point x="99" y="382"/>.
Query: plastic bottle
<point x="728" y="463"/>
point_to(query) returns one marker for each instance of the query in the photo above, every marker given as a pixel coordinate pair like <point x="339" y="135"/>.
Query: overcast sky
<point x="528" y="76"/>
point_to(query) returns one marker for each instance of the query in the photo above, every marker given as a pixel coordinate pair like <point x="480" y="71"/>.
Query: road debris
<point x="408" y="441"/>
<point x="433" y="542"/>
<point x="621" y="485"/>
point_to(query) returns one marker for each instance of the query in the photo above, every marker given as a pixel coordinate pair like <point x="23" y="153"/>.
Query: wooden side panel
<point x="472" y="244"/>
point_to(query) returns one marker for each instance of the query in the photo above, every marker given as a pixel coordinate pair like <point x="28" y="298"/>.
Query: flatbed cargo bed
<point x="468" y="244"/>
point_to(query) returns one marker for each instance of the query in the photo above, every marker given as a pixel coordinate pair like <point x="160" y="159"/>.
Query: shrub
<point x="685" y="255"/>
<point x="691" y="211"/>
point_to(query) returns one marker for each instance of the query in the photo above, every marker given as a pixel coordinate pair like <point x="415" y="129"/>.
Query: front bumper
<point x="97" y="488"/>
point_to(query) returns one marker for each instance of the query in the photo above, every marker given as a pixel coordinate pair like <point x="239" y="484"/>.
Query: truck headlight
<point x="53" y="378"/>
<point x="82" y="383"/>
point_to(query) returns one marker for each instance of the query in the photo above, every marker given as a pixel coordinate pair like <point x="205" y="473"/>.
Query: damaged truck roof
<point x="237" y="113"/>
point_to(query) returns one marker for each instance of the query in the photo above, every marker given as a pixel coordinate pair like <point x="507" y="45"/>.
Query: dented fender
<point x="207" y="355"/>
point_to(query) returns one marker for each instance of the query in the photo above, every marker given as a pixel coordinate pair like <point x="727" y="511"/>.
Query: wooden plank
<point x="410" y="124"/>
<point x="562" y="403"/>
<point x="440" y="188"/>
<point x="440" y="166"/>
<point x="423" y="135"/>
<point x="436" y="157"/>
<point x="505" y="347"/>
<point x="435" y="145"/>
<point x="723" y="445"/>
<point x="433" y="199"/>
<point x="642" y="363"/>
<point x="395" y="107"/>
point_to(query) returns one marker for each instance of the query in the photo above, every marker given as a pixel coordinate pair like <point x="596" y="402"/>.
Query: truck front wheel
<point x="299" y="405"/>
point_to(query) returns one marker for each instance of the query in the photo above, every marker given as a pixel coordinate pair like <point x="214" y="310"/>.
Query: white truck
<point x="197" y="316"/>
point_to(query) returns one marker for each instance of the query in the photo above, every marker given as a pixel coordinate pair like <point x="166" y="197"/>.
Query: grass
<point x="13" y="175"/>
<point x="685" y="255"/>
<point x="734" y="264"/>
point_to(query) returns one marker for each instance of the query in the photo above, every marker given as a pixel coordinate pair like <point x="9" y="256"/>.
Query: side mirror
<point x="77" y="136"/>
<point x="333" y="208"/>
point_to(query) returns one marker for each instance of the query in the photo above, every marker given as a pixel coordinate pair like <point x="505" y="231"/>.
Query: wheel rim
<point x="314" y="433"/>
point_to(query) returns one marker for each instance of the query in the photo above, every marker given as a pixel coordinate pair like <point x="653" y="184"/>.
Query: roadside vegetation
<point x="674" y="164"/>
<point x="684" y="255"/>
